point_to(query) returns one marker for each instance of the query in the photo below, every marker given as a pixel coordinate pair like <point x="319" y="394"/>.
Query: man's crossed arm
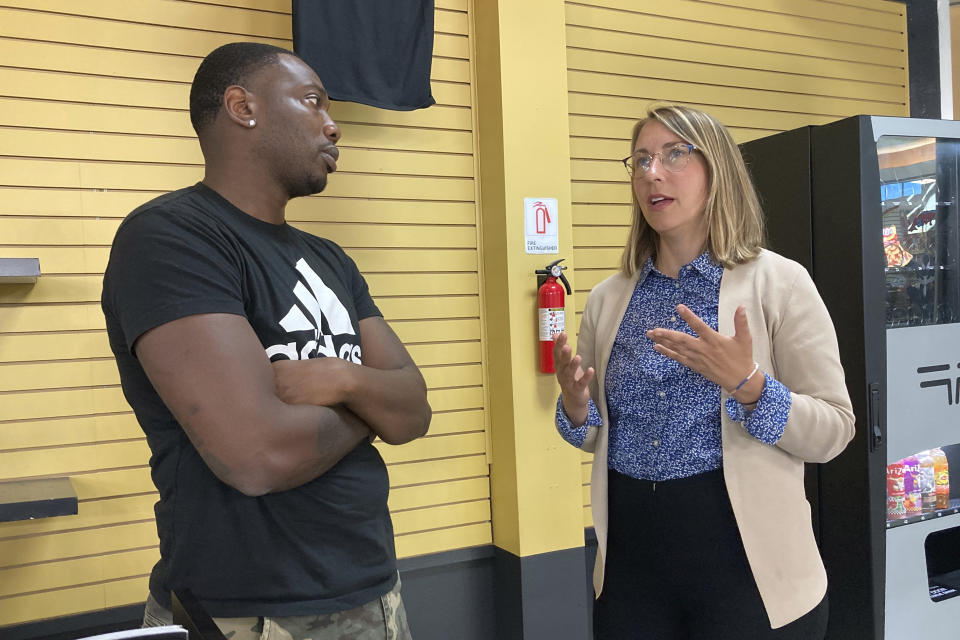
<point x="213" y="374"/>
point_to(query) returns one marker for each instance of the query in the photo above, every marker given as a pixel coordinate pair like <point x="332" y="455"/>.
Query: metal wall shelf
<point x="29" y="499"/>
<point x="19" y="270"/>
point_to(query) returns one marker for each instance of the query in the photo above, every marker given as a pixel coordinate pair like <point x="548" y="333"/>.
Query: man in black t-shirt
<point x="260" y="369"/>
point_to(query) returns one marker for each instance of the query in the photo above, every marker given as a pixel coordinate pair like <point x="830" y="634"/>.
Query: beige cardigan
<point x="795" y="342"/>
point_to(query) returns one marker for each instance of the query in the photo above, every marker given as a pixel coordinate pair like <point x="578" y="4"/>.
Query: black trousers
<point x="676" y="568"/>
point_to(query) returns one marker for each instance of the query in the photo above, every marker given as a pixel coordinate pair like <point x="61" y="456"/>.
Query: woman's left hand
<point x="725" y="360"/>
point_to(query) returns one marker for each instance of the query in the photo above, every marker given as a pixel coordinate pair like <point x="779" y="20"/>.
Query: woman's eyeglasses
<point x="673" y="158"/>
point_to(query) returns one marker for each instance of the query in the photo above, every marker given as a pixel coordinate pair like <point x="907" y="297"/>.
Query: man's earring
<point x="253" y="122"/>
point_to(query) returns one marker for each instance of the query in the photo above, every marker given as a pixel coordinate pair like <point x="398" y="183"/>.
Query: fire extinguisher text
<point x="551" y="323"/>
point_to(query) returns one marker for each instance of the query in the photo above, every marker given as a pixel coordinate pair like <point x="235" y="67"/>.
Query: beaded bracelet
<point x="756" y="367"/>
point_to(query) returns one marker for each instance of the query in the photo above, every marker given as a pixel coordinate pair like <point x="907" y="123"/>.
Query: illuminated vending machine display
<point x="869" y="205"/>
<point x="919" y="216"/>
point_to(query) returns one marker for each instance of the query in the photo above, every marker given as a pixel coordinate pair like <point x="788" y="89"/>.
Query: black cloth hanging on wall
<point x="376" y="52"/>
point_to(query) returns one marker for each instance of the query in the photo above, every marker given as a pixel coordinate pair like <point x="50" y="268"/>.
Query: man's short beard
<point x="307" y="186"/>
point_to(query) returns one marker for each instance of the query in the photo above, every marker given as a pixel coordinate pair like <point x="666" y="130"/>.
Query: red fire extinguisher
<point x="550" y="302"/>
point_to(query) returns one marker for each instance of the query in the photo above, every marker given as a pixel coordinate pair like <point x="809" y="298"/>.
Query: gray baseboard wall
<point x="480" y="593"/>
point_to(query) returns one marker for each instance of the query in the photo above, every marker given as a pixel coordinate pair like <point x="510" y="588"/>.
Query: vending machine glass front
<point x="918" y="200"/>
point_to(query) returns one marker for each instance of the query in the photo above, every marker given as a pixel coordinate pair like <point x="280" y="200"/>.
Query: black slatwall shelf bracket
<point x="29" y="499"/>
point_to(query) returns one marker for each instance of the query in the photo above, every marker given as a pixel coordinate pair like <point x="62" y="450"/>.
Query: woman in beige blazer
<point x="707" y="372"/>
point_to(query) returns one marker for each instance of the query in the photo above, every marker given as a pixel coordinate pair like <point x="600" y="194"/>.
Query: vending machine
<point x="869" y="206"/>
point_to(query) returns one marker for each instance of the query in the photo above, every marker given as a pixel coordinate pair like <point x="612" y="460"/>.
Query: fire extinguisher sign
<point x="540" y="225"/>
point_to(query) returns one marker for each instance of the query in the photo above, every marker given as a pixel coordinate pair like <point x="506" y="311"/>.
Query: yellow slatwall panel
<point x="760" y="66"/>
<point x="93" y="122"/>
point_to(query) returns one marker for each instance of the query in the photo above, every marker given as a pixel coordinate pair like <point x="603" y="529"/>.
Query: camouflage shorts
<point x="380" y="619"/>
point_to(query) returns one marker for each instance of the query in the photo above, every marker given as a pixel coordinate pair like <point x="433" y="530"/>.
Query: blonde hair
<point x="732" y="213"/>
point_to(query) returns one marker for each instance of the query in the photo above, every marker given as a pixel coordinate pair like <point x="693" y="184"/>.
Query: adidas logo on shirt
<point x="320" y="302"/>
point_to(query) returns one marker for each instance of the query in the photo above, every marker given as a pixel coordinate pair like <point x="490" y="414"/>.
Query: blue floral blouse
<point x="665" y="417"/>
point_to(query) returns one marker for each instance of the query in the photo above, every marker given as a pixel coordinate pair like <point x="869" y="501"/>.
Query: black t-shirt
<point x="322" y="547"/>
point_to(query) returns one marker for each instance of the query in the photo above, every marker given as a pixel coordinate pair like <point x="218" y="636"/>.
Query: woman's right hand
<point x="574" y="381"/>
